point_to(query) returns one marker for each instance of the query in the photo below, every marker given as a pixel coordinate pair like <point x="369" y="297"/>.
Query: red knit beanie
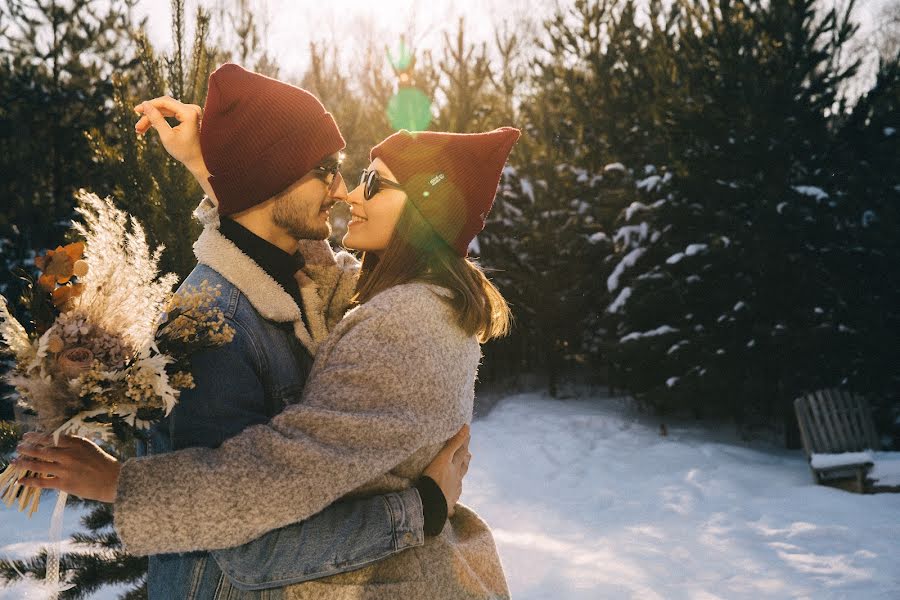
<point x="259" y="136"/>
<point x="451" y="178"/>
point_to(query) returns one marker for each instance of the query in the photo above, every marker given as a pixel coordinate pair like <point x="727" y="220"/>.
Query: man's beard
<point x="292" y="216"/>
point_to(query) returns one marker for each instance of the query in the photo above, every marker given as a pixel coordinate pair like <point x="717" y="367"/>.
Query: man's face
<point x="303" y="209"/>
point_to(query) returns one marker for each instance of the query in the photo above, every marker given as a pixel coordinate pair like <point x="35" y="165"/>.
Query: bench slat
<point x="814" y="429"/>
<point x="841" y="419"/>
<point x="826" y="415"/>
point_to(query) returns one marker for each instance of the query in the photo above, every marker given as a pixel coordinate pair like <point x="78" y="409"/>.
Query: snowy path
<point x="587" y="501"/>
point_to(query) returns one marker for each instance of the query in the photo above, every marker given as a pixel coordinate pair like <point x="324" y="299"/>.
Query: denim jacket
<point x="244" y="383"/>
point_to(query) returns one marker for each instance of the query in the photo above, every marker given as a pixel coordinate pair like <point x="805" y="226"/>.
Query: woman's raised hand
<point x="181" y="141"/>
<point x="76" y="465"/>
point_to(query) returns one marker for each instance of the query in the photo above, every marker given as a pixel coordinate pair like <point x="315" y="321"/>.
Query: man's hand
<point x="450" y="465"/>
<point x="182" y="142"/>
<point x="77" y="466"/>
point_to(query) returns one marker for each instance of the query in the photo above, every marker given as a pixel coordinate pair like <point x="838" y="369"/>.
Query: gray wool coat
<point x="390" y="384"/>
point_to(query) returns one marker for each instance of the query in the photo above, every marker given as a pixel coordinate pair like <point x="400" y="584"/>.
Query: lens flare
<point x="409" y="109"/>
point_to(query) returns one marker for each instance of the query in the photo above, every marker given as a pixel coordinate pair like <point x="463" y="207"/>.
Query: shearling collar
<point x="268" y="298"/>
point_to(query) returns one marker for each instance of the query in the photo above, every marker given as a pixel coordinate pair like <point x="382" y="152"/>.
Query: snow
<point x="740" y="304"/>
<point x="886" y="469"/>
<point x="889" y="131"/>
<point x="21" y="538"/>
<point x="527" y="188"/>
<point x="695" y="249"/>
<point x="844" y="459"/>
<point x="625" y="234"/>
<point x="810" y="190"/>
<point x="868" y="217"/>
<point x="691" y="250"/>
<point x="671" y="381"/>
<point x="616" y="166"/>
<point x="595" y="503"/>
<point x="648" y="183"/>
<point x="652" y="182"/>
<point x="676" y="346"/>
<point x="612" y="283"/>
<point x="636" y="335"/>
<point x="780" y="207"/>
<point x="596" y="238"/>
<point x="620" y="300"/>
<point x="633" y="208"/>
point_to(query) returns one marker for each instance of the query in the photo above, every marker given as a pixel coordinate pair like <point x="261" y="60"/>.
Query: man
<point x="269" y="161"/>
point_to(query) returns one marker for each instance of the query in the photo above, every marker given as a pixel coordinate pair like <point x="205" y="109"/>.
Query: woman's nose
<point x="355" y="196"/>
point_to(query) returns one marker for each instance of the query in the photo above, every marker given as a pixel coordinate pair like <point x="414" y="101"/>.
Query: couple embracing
<point x="321" y="453"/>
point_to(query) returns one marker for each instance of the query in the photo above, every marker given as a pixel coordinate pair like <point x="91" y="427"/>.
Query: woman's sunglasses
<point x="373" y="182"/>
<point x="332" y="171"/>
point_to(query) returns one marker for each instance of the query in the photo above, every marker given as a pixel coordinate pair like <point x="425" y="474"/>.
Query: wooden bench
<point x="839" y="438"/>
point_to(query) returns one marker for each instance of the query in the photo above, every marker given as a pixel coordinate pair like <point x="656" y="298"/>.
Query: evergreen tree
<point x="55" y="61"/>
<point x="139" y="173"/>
<point x="162" y="194"/>
<point x="866" y="175"/>
<point x="733" y="290"/>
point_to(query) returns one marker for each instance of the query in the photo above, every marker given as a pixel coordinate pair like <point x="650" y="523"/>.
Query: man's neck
<point x="260" y="223"/>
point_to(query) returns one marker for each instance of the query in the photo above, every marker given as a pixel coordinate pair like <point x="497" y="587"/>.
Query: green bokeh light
<point x="403" y="59"/>
<point x="409" y="109"/>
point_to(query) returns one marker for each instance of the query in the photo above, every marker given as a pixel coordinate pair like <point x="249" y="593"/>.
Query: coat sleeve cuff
<point x="406" y="513"/>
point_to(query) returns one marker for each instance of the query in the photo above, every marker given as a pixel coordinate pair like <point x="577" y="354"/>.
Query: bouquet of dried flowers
<point x="110" y="348"/>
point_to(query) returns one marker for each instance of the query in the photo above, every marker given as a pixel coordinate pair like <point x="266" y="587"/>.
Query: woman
<point x="394" y="380"/>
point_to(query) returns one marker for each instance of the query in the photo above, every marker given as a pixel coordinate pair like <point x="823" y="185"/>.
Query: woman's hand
<point x="450" y="466"/>
<point x="77" y="466"/>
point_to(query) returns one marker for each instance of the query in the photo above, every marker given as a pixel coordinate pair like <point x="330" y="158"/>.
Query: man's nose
<point x="340" y="190"/>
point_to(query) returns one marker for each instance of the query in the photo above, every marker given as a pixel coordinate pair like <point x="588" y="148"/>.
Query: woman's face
<point x="373" y="221"/>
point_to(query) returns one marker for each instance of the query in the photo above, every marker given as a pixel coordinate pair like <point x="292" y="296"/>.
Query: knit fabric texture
<point x="259" y="136"/>
<point x="451" y="178"/>
<point x="393" y="381"/>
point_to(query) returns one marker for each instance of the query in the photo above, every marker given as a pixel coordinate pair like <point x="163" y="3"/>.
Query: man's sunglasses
<point x="373" y="182"/>
<point x="330" y="170"/>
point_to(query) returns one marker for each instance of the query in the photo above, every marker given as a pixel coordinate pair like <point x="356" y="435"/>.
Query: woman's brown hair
<point x="416" y="253"/>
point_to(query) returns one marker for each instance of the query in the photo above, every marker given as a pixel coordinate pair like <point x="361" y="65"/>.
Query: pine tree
<point x="139" y="173"/>
<point x="733" y="293"/>
<point x="55" y="61"/>
<point x="160" y="192"/>
<point x="866" y="173"/>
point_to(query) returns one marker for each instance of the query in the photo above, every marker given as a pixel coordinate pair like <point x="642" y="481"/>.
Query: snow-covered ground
<point x="588" y="501"/>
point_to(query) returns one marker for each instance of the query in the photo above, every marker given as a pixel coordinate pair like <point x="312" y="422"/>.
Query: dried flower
<point x="182" y="380"/>
<point x="64" y="294"/>
<point x="80" y="268"/>
<point x="75" y="361"/>
<point x="97" y="366"/>
<point x="57" y="265"/>
<point x="55" y="344"/>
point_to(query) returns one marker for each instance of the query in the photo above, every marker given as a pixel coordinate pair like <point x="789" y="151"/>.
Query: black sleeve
<point x="434" y="505"/>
